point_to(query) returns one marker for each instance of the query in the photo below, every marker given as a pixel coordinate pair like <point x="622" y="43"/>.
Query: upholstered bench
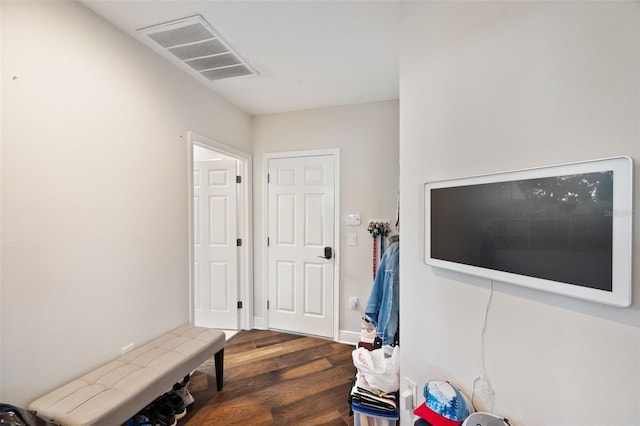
<point x="114" y="392"/>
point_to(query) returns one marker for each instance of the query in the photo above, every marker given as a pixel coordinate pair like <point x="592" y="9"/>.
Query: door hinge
<point x="268" y="178"/>
<point x="268" y="241"/>
<point x="239" y="242"/>
<point x="238" y="179"/>
<point x="239" y="304"/>
<point x="267" y="305"/>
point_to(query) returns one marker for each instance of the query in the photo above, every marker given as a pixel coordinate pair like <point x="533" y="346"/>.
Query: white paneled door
<point x="300" y="229"/>
<point x="215" y="244"/>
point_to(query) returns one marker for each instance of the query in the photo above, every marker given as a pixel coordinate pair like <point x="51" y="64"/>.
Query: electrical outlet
<point x="353" y="303"/>
<point x="127" y="348"/>
<point x="406" y="401"/>
<point x="411" y="386"/>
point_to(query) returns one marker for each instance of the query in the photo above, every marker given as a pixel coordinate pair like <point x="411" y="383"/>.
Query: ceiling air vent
<point x="193" y="42"/>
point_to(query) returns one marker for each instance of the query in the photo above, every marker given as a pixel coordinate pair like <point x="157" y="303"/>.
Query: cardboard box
<point x="198" y="382"/>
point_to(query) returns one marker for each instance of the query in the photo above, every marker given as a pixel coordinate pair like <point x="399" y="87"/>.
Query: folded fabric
<point x="369" y="399"/>
<point x="374" y="392"/>
<point x="375" y="403"/>
<point x="362" y="383"/>
<point x="391" y="415"/>
<point x="374" y="406"/>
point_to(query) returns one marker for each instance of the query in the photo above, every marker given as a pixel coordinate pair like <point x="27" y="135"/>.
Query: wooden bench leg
<point x="219" y="360"/>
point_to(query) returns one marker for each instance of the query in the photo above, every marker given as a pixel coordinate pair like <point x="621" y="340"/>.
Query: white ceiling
<point x="309" y="54"/>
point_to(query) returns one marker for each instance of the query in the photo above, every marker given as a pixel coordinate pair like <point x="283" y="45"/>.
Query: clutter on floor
<point x="374" y="394"/>
<point x="167" y="409"/>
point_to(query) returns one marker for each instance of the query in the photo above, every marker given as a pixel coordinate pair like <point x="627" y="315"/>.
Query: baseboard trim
<point x="344" y="336"/>
<point x="348" y="337"/>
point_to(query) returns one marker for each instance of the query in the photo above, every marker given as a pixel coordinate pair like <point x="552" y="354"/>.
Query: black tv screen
<point x="555" y="228"/>
<point x="566" y="233"/>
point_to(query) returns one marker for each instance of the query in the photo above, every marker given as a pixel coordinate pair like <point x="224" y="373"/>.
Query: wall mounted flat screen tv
<point x="565" y="229"/>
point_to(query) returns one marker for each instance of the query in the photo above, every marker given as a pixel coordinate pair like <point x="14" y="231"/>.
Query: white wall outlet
<point x="127" y="348"/>
<point x="353" y="303"/>
<point x="406" y="400"/>
<point x="353" y="239"/>
<point x="411" y="386"/>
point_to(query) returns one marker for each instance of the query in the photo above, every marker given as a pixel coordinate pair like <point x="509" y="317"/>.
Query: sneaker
<point x="161" y="414"/>
<point x="138" y="420"/>
<point x="176" y="403"/>
<point x="181" y="390"/>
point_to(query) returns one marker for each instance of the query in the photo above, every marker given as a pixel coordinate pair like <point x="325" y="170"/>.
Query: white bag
<point x="380" y="371"/>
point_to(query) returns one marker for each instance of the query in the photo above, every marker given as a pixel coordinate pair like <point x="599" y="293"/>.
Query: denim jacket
<point x="382" y="308"/>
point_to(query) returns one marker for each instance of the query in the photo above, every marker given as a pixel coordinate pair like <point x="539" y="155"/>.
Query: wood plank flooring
<point x="273" y="378"/>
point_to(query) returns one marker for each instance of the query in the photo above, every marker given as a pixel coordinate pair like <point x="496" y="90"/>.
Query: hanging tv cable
<point x="483" y="393"/>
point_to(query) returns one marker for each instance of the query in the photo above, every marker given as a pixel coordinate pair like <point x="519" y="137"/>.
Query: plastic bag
<point x="16" y="416"/>
<point x="379" y="370"/>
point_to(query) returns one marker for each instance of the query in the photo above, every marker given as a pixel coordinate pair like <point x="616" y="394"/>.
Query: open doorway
<point x="220" y="235"/>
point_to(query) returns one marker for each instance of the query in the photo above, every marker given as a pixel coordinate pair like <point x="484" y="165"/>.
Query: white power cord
<point x="481" y="351"/>
<point x="482" y="390"/>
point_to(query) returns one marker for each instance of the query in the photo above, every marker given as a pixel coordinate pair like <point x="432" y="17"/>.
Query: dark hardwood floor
<point x="273" y="378"/>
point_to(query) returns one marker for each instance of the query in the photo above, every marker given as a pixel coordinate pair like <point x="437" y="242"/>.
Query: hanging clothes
<point x="383" y="305"/>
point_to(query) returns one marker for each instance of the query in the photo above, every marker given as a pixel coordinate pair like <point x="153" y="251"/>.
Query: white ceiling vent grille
<point x="195" y="43"/>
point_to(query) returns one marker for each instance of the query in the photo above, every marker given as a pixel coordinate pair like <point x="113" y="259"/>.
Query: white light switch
<point x="353" y="239"/>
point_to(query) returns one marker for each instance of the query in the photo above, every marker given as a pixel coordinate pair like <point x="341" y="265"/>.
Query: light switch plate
<point x="353" y="303"/>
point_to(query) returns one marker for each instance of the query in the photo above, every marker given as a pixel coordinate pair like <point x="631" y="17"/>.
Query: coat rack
<point x="378" y="228"/>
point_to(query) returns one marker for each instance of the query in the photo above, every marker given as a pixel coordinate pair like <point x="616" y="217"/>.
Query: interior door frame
<point x="335" y="152"/>
<point x="245" y="225"/>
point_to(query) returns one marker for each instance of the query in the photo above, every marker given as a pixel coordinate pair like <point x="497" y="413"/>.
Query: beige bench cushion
<point x="114" y="392"/>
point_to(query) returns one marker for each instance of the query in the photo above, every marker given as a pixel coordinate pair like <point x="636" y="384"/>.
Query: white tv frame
<point x="622" y="279"/>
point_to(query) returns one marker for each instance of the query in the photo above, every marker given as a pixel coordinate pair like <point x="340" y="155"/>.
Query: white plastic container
<point x="361" y="419"/>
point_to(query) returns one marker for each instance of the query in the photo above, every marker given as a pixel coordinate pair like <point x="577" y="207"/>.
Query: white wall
<point x="367" y="135"/>
<point x="94" y="192"/>
<point x="493" y="86"/>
